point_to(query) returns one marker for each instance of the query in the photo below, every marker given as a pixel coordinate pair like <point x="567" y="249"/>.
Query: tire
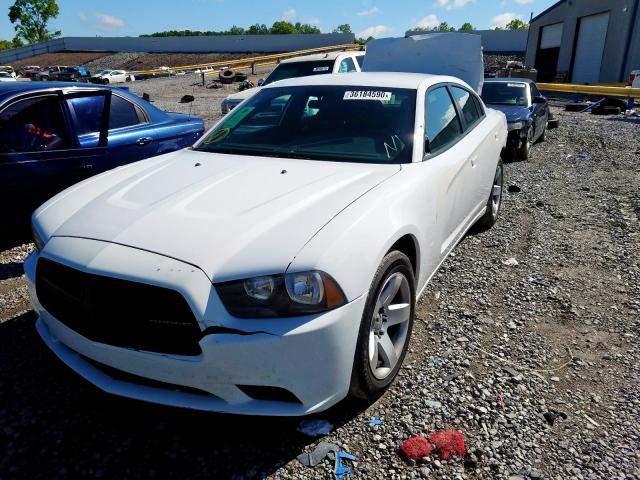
<point x="615" y="102"/>
<point x="105" y="81"/>
<point x="599" y="110"/>
<point x="523" y="152"/>
<point x="227" y="76"/>
<point x="494" y="202"/>
<point x="543" y="135"/>
<point x="576" y="107"/>
<point x="367" y="382"/>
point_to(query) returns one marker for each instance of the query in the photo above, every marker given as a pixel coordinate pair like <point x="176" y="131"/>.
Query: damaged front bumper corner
<point x="289" y="366"/>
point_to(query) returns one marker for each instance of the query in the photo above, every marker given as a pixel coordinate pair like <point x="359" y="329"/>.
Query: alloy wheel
<point x="496" y="192"/>
<point x="389" y="326"/>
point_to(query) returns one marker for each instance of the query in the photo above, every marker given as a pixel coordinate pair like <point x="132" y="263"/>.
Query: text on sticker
<point x="321" y="69"/>
<point x="367" y="95"/>
<point x="516" y="85"/>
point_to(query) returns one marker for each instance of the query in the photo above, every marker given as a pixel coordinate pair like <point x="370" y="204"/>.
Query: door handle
<point x="473" y="161"/>
<point x="144" y="141"/>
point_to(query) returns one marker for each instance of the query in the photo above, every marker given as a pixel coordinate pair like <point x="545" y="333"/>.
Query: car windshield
<point x="299" y="69"/>
<point x="334" y="123"/>
<point x="505" y="93"/>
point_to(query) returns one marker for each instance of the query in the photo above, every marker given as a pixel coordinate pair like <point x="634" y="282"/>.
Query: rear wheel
<point x="494" y="203"/>
<point x="385" y="328"/>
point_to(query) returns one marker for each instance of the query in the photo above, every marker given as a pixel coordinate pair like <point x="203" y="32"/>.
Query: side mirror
<point x="539" y="99"/>
<point x="260" y="82"/>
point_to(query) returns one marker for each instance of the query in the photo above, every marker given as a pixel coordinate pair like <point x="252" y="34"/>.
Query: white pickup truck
<point x="322" y="63"/>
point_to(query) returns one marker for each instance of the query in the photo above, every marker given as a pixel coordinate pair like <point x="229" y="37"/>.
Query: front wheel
<point x="494" y="203"/>
<point x="522" y="153"/>
<point x="385" y="328"/>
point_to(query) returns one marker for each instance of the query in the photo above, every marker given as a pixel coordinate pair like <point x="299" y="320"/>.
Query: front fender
<point x="351" y="247"/>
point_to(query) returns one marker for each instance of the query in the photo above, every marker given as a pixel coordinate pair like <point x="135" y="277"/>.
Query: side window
<point x="442" y="125"/>
<point x="347" y="65"/>
<point x="479" y="105"/>
<point x="467" y="105"/>
<point x="88" y="113"/>
<point x="359" y="59"/>
<point x="34" y="125"/>
<point x="535" y="92"/>
<point x="123" y="113"/>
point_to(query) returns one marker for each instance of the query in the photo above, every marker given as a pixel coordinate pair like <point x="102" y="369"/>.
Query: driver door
<point x="40" y="154"/>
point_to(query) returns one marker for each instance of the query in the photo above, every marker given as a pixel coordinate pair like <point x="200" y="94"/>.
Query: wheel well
<point x="407" y="245"/>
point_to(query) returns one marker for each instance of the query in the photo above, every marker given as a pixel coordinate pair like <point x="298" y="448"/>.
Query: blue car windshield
<point x="505" y="93"/>
<point x="334" y="123"/>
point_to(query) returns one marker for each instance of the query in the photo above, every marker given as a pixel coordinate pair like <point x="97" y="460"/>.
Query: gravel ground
<point x="539" y="359"/>
<point x="166" y="93"/>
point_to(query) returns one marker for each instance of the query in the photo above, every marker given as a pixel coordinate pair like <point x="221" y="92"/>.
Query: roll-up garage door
<point x="551" y="36"/>
<point x="592" y="36"/>
<point x="548" y="51"/>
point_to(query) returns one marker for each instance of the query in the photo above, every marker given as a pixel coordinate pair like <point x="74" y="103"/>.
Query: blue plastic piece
<point x="375" y="421"/>
<point x="340" y="470"/>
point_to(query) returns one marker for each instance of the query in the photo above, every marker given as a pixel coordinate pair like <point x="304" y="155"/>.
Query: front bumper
<point x="310" y="357"/>
<point x="516" y="138"/>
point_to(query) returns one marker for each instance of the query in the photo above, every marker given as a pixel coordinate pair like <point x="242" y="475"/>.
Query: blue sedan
<point x="56" y="134"/>
<point x="527" y="111"/>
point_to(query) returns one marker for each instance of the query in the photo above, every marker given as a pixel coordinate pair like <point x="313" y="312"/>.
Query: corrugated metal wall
<point x="497" y="41"/>
<point x="226" y="44"/>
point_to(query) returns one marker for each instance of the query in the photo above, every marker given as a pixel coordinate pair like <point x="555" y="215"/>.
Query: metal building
<point x="586" y="41"/>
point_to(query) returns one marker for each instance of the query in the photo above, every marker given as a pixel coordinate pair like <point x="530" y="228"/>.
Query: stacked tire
<point x="227" y="76"/>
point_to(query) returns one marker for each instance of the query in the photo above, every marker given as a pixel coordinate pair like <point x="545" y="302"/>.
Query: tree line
<point x="31" y="17"/>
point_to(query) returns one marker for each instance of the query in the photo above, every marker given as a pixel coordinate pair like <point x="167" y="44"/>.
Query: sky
<point x="377" y="18"/>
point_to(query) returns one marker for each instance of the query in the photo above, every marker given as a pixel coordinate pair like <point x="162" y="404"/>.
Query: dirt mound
<point x="61" y="58"/>
<point x="153" y="60"/>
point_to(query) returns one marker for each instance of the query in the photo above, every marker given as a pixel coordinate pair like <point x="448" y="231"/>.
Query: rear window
<point x="299" y="69"/>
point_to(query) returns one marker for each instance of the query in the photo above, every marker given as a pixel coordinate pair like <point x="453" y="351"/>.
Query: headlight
<point x="37" y="239"/>
<point x="301" y="293"/>
<point x="515" y="126"/>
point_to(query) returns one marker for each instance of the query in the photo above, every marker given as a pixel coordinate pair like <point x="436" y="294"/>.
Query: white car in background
<point x="318" y="64"/>
<point x="7" y="77"/>
<point x="274" y="267"/>
<point x="106" y="77"/>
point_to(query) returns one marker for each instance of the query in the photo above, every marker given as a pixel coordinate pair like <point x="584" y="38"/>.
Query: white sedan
<point x="111" y="76"/>
<point x="274" y="267"/>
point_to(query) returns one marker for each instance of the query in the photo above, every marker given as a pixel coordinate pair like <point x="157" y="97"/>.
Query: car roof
<point x="16" y="88"/>
<point x="508" y="80"/>
<point x="317" y="57"/>
<point x="369" y="79"/>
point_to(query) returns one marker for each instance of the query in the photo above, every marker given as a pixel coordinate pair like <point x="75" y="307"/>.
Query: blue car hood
<point x="514" y="113"/>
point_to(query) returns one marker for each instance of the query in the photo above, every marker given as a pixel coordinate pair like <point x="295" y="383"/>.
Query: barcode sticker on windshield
<point x="321" y="69"/>
<point x="367" y="95"/>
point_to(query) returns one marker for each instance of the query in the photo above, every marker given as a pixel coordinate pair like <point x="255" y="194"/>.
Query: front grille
<point x="118" y="312"/>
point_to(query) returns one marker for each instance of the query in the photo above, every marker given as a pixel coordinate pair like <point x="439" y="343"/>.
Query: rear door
<point x="40" y="154"/>
<point x="131" y="137"/>
<point x="447" y="158"/>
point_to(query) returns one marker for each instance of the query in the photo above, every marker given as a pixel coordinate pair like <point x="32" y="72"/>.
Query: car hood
<point x="231" y="216"/>
<point x="244" y="94"/>
<point x="514" y="113"/>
